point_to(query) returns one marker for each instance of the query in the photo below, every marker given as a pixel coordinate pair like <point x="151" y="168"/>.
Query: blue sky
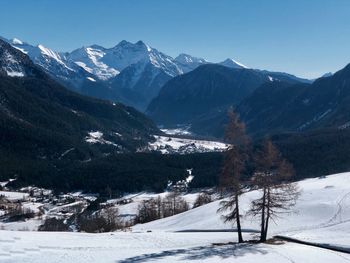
<point x="303" y="37"/>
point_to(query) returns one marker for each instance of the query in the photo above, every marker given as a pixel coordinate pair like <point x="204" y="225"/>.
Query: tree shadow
<point x="197" y="253"/>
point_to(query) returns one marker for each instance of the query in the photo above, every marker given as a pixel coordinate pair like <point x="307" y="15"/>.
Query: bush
<point x="54" y="224"/>
<point x="103" y="221"/>
<point x="19" y="214"/>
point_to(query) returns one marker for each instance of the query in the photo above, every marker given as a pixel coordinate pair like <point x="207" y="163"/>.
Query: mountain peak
<point x="14" y="63"/>
<point x="328" y="74"/>
<point x="185" y="58"/>
<point x="124" y="43"/>
<point x="16" y="41"/>
<point x="140" y="43"/>
<point x="231" y="63"/>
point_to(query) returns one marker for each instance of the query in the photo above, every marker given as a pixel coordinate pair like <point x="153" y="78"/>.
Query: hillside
<point x="208" y="88"/>
<point x="277" y="106"/>
<point x="320" y="216"/>
<point x="43" y="121"/>
<point x="200" y="99"/>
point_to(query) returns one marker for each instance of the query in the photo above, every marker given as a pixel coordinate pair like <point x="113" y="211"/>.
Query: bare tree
<point x="234" y="164"/>
<point x="202" y="199"/>
<point x="156" y="208"/>
<point x="175" y="203"/>
<point x="272" y="176"/>
<point x="147" y="211"/>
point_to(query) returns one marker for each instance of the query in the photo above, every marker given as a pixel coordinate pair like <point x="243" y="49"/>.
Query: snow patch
<point x="16" y="41"/>
<point x="11" y="66"/>
<point x="167" y="145"/>
<point x="97" y="137"/>
<point x="177" y="131"/>
<point x="91" y="79"/>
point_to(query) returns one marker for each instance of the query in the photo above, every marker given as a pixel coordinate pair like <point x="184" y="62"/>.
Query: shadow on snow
<point x="202" y="252"/>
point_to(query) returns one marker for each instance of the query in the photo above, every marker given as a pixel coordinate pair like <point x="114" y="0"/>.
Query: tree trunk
<point x="238" y="221"/>
<point x="267" y="214"/>
<point x="262" y="230"/>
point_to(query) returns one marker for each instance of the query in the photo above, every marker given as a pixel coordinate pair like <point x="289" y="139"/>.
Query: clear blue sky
<point x="303" y="37"/>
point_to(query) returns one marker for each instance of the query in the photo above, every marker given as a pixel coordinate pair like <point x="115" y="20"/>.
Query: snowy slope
<point x="188" y="63"/>
<point x="126" y="247"/>
<point x="323" y="207"/>
<point x="106" y="63"/>
<point x="322" y="215"/>
<point x="45" y="57"/>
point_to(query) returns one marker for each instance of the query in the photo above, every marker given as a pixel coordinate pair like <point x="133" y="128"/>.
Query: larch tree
<point x="233" y="167"/>
<point x="272" y="176"/>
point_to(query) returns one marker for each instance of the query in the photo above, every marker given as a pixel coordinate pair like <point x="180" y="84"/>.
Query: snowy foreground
<point x="322" y="215"/>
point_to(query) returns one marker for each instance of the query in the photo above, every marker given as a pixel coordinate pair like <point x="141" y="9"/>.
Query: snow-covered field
<point x="177" y="131"/>
<point x="322" y="215"/>
<point x="13" y="196"/>
<point x="324" y="205"/>
<point x="169" y="144"/>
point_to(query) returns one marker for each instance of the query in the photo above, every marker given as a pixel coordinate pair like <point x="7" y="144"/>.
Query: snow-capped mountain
<point x="188" y="63"/>
<point x="13" y="63"/>
<point x="132" y="73"/>
<point x="231" y="63"/>
<point x="9" y="65"/>
<point x="106" y="63"/>
<point x="55" y="64"/>
<point x="326" y="75"/>
<point x="135" y="72"/>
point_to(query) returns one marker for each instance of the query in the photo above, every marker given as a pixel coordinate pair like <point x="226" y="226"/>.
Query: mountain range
<point x="275" y="103"/>
<point x="200" y="99"/>
<point x="48" y="131"/>
<point x="41" y="119"/>
<point x="131" y="73"/>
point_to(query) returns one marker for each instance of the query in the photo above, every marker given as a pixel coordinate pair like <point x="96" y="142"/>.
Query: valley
<point x="174" y="131"/>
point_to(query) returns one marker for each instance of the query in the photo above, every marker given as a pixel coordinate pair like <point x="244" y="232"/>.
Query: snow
<point x="187" y="62"/>
<point x="15" y="74"/>
<point x="3" y="184"/>
<point x="21" y="49"/>
<point x="322" y="215"/>
<point x="130" y="209"/>
<point x="13" y="196"/>
<point x="106" y="63"/>
<point x="231" y="63"/>
<point x="97" y="137"/>
<point x="54" y="55"/>
<point x="123" y="247"/>
<point x="167" y="144"/>
<point x="16" y="41"/>
<point x="323" y="207"/>
<point x="91" y="79"/>
<point x="177" y="131"/>
<point x="12" y="67"/>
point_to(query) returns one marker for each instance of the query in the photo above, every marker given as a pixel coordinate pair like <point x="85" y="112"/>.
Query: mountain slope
<point x="134" y="73"/>
<point x="41" y="119"/>
<point x="188" y="63"/>
<point x="138" y="84"/>
<point x="278" y="106"/>
<point x="231" y="63"/>
<point x="207" y="89"/>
